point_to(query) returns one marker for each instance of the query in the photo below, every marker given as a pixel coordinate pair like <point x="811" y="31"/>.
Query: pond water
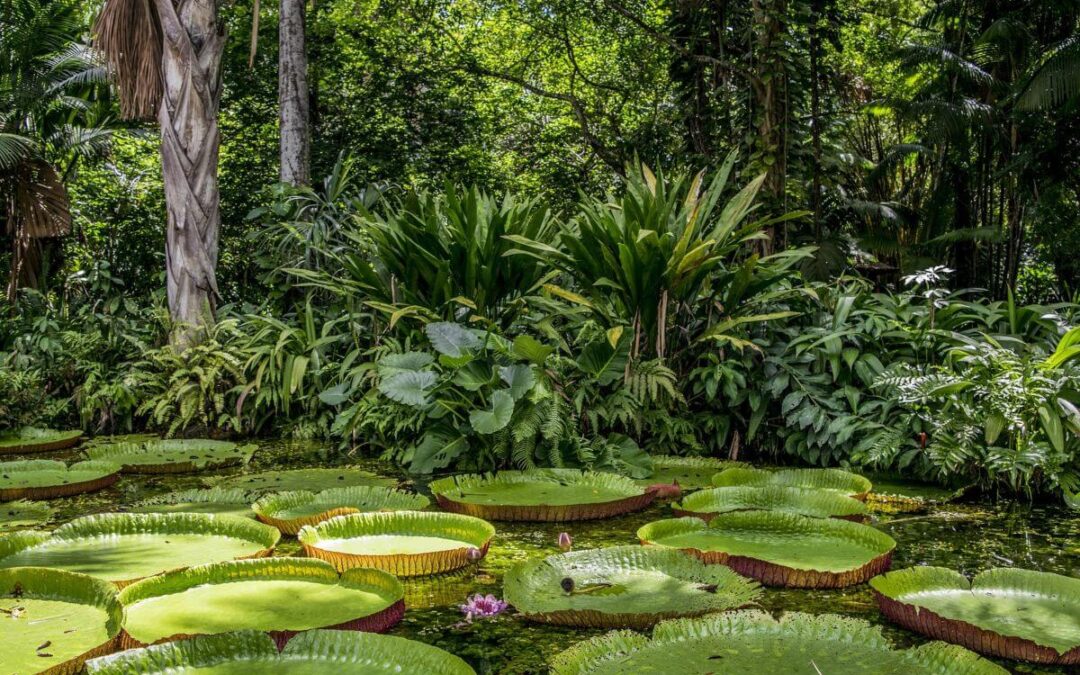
<point x="969" y="537"/>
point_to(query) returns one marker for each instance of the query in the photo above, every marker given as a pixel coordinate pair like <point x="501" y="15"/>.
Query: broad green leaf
<point x="490" y="421"/>
<point x="409" y="388"/>
<point x="452" y="339"/>
<point x="529" y="348"/>
<point x="518" y="378"/>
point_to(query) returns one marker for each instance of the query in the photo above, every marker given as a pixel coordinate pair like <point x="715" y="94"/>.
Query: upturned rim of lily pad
<point x="474" y="534"/>
<point x="60" y="585"/>
<point x="449" y="495"/>
<point x="772" y="573"/>
<point x="173" y="455"/>
<point x="536" y="587"/>
<point x="369" y="580"/>
<point x="845" y="482"/>
<point x="706" y="504"/>
<point x="619" y="646"/>
<point x="894" y="592"/>
<point x="109" y="524"/>
<point x="338" y="648"/>
<point x="337" y="502"/>
<point x="704" y="467"/>
<point x="27" y="440"/>
<point x="89" y="476"/>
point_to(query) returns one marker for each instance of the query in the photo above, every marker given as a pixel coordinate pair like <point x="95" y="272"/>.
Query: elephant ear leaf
<point x="392" y="364"/>
<point x="519" y="379"/>
<point x="409" y="387"/>
<point x="436" y="450"/>
<point x="490" y="421"/>
<point x="452" y="340"/>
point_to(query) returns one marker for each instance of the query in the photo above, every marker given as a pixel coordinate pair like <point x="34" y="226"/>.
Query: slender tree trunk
<point x="293" y="95"/>
<point x="769" y="86"/>
<point x="191" y="71"/>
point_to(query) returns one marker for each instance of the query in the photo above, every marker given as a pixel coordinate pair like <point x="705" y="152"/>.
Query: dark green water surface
<point x="969" y="537"/>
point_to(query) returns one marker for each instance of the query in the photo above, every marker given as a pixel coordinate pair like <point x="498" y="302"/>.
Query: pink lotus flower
<point x="474" y="554"/>
<point x="482" y="606"/>
<point x="566" y="542"/>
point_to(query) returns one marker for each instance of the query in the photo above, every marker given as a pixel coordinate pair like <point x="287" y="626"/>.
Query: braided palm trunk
<point x="191" y="72"/>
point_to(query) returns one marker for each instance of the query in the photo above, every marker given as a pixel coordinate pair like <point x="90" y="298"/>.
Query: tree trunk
<point x="191" y="70"/>
<point x="293" y="95"/>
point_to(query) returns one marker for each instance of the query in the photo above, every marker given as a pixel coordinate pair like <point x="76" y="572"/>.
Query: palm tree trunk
<point x="293" y="95"/>
<point x="191" y="70"/>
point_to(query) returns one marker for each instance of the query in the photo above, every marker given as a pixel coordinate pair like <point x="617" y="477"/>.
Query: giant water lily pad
<point x="306" y="479"/>
<point x="314" y="652"/>
<point x="32" y="439"/>
<point x="752" y="641"/>
<point x="1010" y="613"/>
<point x="804" y="501"/>
<point x="834" y="480"/>
<point x="215" y="500"/>
<point x="691" y="473"/>
<point x="623" y="587"/>
<point x="405" y="543"/>
<point x="280" y="596"/>
<point x="20" y="514"/>
<point x="124" y="547"/>
<point x="891" y="495"/>
<point x="53" y="621"/>
<point x="48" y="479"/>
<point x="780" y="549"/>
<point x="173" y="456"/>
<point x="553" y="495"/>
<point x="289" y="511"/>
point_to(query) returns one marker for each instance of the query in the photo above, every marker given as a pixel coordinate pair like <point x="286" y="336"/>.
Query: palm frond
<point x="1055" y="80"/>
<point x="128" y="35"/>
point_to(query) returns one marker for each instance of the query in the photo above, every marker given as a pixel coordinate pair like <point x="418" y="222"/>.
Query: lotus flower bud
<point x="566" y="542"/>
<point x="666" y="490"/>
<point x="474" y="554"/>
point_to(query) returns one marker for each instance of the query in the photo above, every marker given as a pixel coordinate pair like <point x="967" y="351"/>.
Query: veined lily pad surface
<point x="623" y="587"/>
<point x="289" y="511"/>
<point x="306" y="479"/>
<point x="47" y="479"/>
<point x="405" y="543"/>
<point x="705" y="504"/>
<point x="780" y="549"/>
<point x="691" y="473"/>
<point x="280" y="596"/>
<point x="219" y="501"/>
<point x="1010" y="613"/>
<point x="902" y="496"/>
<point x="52" y="620"/>
<point x="314" y="652"/>
<point x="20" y="514"/>
<point x="32" y="439"/>
<point x="835" y="480"/>
<point x="553" y="495"/>
<point x="752" y="641"/>
<point x="124" y="547"/>
<point x="173" y="456"/>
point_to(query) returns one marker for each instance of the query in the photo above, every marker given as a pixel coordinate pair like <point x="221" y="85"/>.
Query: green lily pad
<point x="780" y="549"/>
<point x="289" y="511"/>
<point x="173" y="456"/>
<point x="691" y="473"/>
<point x="313" y="652"/>
<point x="305" y="479"/>
<point x="553" y="495"/>
<point x="835" y="480"/>
<point x="52" y="620"/>
<point x="1009" y="613"/>
<point x="705" y="504"/>
<point x="892" y="495"/>
<point x="124" y="547"/>
<point x="280" y="596"/>
<point x="47" y="478"/>
<point x="215" y="500"/>
<point x="752" y="641"/>
<point x="32" y="439"/>
<point x="405" y="543"/>
<point x="20" y="514"/>
<point x="623" y="587"/>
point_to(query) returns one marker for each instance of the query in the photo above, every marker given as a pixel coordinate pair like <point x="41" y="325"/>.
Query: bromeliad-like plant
<point x="643" y="260"/>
